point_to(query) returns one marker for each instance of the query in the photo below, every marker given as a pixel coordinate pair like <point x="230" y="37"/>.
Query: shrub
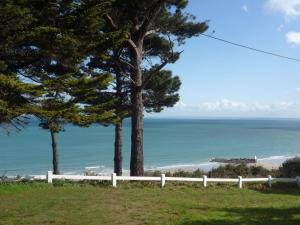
<point x="230" y="170"/>
<point x="155" y="173"/>
<point x="179" y="173"/>
<point x="198" y="173"/>
<point x="259" y="171"/>
<point x="290" y="168"/>
<point x="227" y="171"/>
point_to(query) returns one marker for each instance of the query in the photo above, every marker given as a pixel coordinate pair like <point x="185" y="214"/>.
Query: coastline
<point x="179" y="144"/>
<point x="272" y="162"/>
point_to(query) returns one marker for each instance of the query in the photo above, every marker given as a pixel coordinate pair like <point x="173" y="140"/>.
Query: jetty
<point x="235" y="160"/>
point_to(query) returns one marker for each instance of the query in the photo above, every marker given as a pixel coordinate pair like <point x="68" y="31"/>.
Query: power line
<point x="250" y="48"/>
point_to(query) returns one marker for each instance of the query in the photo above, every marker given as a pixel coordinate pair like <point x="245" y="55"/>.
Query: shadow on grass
<point x="252" y="216"/>
<point x="277" y="188"/>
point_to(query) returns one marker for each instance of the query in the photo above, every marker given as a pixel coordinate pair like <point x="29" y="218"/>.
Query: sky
<point x="221" y="80"/>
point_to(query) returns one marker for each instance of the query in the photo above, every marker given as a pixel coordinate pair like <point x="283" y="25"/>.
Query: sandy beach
<point x="273" y="162"/>
<point x="269" y="163"/>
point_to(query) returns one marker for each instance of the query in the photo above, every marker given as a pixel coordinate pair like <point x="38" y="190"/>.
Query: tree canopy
<point x="91" y="61"/>
<point x="155" y="29"/>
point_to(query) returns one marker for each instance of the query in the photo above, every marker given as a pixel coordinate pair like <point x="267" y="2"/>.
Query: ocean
<point x="167" y="143"/>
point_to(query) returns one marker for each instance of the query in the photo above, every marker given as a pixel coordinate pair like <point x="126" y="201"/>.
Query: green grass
<point x="136" y="203"/>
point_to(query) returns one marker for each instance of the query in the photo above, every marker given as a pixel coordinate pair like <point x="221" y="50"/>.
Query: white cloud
<point x="293" y="37"/>
<point x="226" y="105"/>
<point x="245" y="8"/>
<point x="223" y="104"/>
<point x="298" y="89"/>
<point x="290" y="8"/>
<point x="286" y="105"/>
<point x="233" y="108"/>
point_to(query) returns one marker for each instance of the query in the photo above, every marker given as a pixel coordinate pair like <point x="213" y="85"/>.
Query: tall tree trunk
<point x="54" y="152"/>
<point x="137" y="117"/>
<point x="137" y="128"/>
<point x="118" y="127"/>
<point x="118" y="148"/>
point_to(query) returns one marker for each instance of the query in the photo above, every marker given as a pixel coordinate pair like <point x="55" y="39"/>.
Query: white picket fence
<point x="163" y="179"/>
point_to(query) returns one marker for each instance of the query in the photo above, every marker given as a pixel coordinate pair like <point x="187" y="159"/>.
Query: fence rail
<point x="162" y="179"/>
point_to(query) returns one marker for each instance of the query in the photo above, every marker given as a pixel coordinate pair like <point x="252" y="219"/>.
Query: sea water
<point x="167" y="143"/>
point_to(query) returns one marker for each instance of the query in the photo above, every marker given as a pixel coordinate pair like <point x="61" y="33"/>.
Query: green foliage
<point x="160" y="88"/>
<point x="98" y="102"/>
<point x="62" y="57"/>
<point x="232" y="171"/>
<point x="290" y="168"/>
<point x="48" y="48"/>
<point x="16" y="101"/>
<point x="154" y="29"/>
<point x="161" y="91"/>
<point x="16" y="97"/>
<point x="47" y="45"/>
<point x="15" y="23"/>
<point x="179" y="173"/>
<point x="63" y="36"/>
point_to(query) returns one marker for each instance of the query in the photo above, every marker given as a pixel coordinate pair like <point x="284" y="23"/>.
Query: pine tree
<point x="67" y="81"/>
<point x="159" y="92"/>
<point x="54" y="46"/>
<point x="154" y="28"/>
<point x="16" y="96"/>
<point x="16" y="102"/>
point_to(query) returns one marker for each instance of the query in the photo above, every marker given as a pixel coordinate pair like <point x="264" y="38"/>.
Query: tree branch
<point x="149" y="20"/>
<point x="121" y="71"/>
<point x="111" y="21"/>
<point x="150" y="32"/>
<point x="29" y="77"/>
<point x="158" y="68"/>
<point x="163" y="64"/>
<point x="126" y="62"/>
<point x="132" y="44"/>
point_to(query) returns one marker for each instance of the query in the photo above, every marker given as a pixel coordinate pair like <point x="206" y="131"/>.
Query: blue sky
<point x="220" y="80"/>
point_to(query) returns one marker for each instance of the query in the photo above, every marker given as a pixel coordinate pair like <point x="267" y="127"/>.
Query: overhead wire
<point x="250" y="48"/>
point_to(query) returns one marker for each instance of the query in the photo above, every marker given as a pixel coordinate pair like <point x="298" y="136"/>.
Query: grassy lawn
<point x="136" y="203"/>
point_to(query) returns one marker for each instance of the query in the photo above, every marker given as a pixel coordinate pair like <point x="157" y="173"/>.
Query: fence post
<point x="270" y="181"/>
<point x="163" y="180"/>
<point x="204" y="180"/>
<point x="240" y="181"/>
<point x="114" y="179"/>
<point x="298" y="181"/>
<point x="49" y="177"/>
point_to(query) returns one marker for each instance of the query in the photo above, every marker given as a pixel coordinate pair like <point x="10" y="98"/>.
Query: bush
<point x="227" y="171"/>
<point x="290" y="168"/>
<point x="179" y="173"/>
<point x="230" y="171"/>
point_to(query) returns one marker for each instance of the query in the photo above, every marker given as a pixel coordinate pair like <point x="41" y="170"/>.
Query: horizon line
<point x="221" y="117"/>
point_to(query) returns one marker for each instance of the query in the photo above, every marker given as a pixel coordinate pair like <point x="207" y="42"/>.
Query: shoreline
<point x="272" y="162"/>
